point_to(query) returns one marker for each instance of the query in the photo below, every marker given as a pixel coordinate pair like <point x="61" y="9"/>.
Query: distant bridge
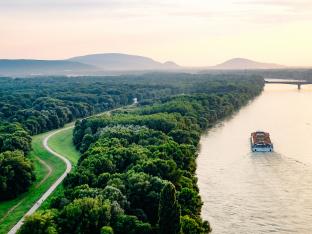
<point x="291" y="82"/>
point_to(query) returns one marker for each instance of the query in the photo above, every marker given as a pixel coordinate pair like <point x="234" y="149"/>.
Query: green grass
<point x="62" y="143"/>
<point x="27" y="199"/>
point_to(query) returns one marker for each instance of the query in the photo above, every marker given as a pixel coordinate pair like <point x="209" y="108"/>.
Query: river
<point x="253" y="193"/>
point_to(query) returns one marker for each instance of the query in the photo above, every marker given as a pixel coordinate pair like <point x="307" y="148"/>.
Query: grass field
<point x="62" y="143"/>
<point x="11" y="211"/>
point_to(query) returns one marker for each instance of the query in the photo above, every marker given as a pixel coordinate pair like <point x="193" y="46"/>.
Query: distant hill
<point x="123" y="62"/>
<point x="245" y="64"/>
<point x="25" y="67"/>
<point x="112" y="64"/>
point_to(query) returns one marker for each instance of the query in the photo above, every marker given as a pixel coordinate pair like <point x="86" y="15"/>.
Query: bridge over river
<point x="291" y="82"/>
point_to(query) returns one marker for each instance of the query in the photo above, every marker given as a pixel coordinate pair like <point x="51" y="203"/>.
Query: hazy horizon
<point x="197" y="33"/>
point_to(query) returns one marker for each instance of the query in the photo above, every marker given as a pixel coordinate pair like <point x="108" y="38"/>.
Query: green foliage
<point x="169" y="211"/>
<point x="16" y="174"/>
<point x="39" y="223"/>
<point x="143" y="192"/>
<point x="107" y="230"/>
<point x="86" y="215"/>
<point x="133" y="155"/>
<point x="14" y="137"/>
<point x="113" y="194"/>
<point x="165" y="169"/>
<point x="194" y="226"/>
<point x="190" y="202"/>
<point x="137" y="170"/>
<point x="190" y="226"/>
<point x="131" y="225"/>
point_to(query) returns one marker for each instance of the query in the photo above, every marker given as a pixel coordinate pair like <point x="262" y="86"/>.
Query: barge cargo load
<point x="261" y="142"/>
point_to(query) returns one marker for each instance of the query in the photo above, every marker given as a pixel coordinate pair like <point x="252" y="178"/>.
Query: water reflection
<point x="246" y="192"/>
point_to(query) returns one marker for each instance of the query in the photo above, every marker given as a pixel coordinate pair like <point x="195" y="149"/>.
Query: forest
<point x="136" y="173"/>
<point x="29" y="106"/>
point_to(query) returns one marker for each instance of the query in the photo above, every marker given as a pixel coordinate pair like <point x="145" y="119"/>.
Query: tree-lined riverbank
<point x="129" y="157"/>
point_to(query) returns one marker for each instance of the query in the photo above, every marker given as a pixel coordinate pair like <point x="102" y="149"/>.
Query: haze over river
<point x="245" y="192"/>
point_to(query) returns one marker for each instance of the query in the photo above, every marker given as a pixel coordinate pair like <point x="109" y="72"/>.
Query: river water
<point x="245" y="192"/>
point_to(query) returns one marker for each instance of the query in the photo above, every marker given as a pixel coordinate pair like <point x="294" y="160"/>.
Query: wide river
<point x="245" y="192"/>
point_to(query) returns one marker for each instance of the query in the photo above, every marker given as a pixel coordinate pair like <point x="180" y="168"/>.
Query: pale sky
<point x="189" y="32"/>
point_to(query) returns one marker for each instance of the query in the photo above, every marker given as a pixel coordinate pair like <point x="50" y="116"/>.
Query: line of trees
<point x="137" y="169"/>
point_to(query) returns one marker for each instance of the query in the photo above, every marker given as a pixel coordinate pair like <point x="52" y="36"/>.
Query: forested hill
<point x="137" y="171"/>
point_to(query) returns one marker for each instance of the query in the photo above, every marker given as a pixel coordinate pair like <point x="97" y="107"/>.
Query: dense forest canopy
<point x="137" y="169"/>
<point x="16" y="174"/>
<point x="45" y="103"/>
<point x="135" y="163"/>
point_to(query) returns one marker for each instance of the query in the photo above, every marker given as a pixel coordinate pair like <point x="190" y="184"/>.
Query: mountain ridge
<point x="245" y="64"/>
<point x="113" y="63"/>
<point x="127" y="62"/>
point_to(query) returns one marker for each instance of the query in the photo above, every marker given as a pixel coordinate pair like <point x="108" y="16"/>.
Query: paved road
<point x="53" y="186"/>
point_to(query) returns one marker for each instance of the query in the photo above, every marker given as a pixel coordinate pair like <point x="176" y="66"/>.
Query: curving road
<point x="60" y="179"/>
<point x="53" y="186"/>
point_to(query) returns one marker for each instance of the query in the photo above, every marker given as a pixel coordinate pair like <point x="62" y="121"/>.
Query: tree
<point x="192" y="226"/>
<point x="165" y="169"/>
<point x="107" y="230"/>
<point x="86" y="215"/>
<point x="143" y="192"/>
<point x="14" y="137"/>
<point x="114" y="194"/>
<point x="41" y="222"/>
<point x="86" y="141"/>
<point x="131" y="225"/>
<point x="190" y="201"/>
<point x="169" y="211"/>
<point x="16" y="174"/>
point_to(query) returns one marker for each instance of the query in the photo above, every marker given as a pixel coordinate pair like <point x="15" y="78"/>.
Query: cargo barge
<point x="261" y="142"/>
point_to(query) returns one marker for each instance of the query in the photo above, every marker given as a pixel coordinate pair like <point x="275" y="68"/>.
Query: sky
<point x="188" y="32"/>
